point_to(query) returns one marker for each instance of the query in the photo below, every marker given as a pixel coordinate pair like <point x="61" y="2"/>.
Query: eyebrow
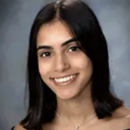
<point x="63" y="44"/>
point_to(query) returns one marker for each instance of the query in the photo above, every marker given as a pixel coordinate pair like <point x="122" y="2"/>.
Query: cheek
<point x="87" y="65"/>
<point x="81" y="61"/>
<point x="44" y="68"/>
<point x="84" y="65"/>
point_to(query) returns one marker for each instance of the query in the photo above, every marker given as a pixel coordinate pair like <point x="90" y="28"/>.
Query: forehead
<point x="53" y="33"/>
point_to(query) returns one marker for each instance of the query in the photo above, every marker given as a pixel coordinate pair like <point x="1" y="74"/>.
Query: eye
<point x="45" y="54"/>
<point x="74" y="48"/>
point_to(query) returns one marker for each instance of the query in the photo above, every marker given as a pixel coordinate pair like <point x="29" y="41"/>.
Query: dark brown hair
<point x="84" y="25"/>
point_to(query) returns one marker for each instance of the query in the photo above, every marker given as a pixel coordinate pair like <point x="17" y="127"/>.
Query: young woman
<point x="68" y="73"/>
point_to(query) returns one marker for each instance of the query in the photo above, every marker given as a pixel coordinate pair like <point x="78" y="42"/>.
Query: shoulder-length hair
<point x="84" y="26"/>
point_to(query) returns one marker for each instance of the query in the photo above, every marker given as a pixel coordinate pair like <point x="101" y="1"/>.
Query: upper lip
<point x="63" y="76"/>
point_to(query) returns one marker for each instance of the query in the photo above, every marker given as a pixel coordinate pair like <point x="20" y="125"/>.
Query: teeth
<point x="65" y="79"/>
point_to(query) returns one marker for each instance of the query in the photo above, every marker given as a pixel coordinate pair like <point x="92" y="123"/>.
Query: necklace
<point x="77" y="127"/>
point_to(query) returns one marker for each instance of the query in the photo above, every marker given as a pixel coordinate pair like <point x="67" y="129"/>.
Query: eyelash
<point x="76" y="47"/>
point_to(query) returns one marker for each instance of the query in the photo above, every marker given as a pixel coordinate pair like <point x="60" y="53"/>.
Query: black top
<point x="125" y="129"/>
<point x="12" y="128"/>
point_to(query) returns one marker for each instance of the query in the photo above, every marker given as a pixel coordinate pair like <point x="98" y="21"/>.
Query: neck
<point x="77" y="109"/>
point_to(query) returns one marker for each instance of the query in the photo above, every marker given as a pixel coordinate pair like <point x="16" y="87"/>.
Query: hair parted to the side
<point x="84" y="25"/>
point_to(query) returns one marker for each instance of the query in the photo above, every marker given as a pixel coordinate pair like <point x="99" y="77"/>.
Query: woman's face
<point x="62" y="65"/>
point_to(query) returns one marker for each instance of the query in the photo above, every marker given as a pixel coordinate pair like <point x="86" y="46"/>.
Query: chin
<point x="67" y="96"/>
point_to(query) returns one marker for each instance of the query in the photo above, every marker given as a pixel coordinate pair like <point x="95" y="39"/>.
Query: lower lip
<point x="66" y="83"/>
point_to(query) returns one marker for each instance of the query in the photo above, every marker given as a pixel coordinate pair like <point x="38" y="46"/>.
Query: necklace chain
<point x="77" y="127"/>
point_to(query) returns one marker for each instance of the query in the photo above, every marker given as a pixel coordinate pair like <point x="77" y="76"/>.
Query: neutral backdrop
<point x="16" y="17"/>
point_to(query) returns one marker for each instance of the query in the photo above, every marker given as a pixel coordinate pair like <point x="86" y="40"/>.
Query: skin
<point x="74" y="100"/>
<point x="63" y="61"/>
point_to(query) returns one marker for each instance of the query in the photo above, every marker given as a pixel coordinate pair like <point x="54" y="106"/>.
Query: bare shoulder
<point x="122" y="116"/>
<point x="19" y="127"/>
<point x="122" y="112"/>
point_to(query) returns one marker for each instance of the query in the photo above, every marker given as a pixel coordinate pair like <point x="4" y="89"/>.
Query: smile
<point x="65" y="80"/>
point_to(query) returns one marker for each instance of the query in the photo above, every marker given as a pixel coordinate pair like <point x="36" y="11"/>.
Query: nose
<point x="61" y="63"/>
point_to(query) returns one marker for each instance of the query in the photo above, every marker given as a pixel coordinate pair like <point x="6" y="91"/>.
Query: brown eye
<point x="45" y="54"/>
<point x="74" y="48"/>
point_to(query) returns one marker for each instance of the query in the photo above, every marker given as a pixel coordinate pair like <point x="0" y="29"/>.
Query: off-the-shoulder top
<point x="12" y="128"/>
<point x="125" y="129"/>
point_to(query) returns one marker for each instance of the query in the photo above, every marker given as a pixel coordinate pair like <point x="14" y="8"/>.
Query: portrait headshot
<point x="70" y="68"/>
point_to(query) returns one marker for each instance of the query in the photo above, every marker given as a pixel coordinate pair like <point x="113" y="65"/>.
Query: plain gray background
<point x="16" y="17"/>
